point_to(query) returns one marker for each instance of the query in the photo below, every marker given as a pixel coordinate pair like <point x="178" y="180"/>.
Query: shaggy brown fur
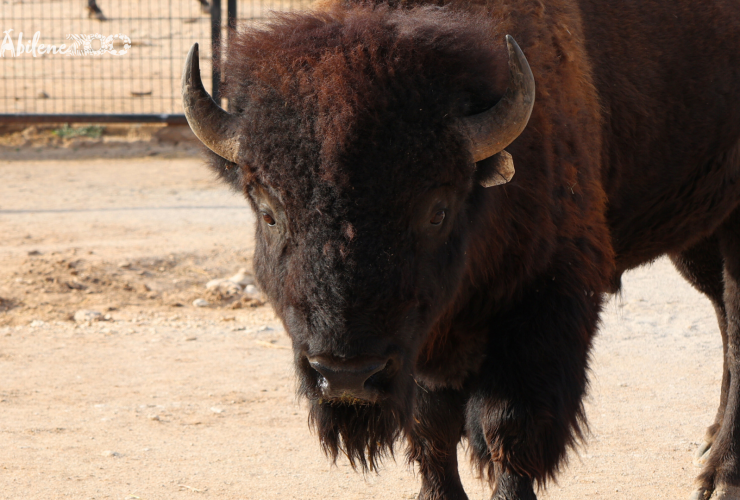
<point x="631" y="152"/>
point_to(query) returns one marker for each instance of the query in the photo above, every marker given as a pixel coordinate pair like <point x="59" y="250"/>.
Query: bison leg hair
<point x="525" y="407"/>
<point x="439" y="418"/>
<point x="720" y="479"/>
<point x="702" y="266"/>
<point x="510" y="486"/>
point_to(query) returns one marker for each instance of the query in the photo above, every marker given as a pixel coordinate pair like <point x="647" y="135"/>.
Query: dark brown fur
<point x="632" y="151"/>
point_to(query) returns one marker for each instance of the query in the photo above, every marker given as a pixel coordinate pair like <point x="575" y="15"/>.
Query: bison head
<point x="363" y="140"/>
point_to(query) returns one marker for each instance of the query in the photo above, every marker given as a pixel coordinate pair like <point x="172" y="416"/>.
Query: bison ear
<point x="495" y="170"/>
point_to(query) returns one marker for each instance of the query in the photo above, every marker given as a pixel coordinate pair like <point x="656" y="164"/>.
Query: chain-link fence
<point x="89" y="81"/>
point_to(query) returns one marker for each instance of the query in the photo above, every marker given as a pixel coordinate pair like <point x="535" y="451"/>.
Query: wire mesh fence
<point x="38" y="81"/>
<point x="258" y="10"/>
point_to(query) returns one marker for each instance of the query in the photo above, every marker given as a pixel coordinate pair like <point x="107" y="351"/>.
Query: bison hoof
<point x="701" y="494"/>
<point x="726" y="493"/>
<point x="702" y="454"/>
<point x="720" y="493"/>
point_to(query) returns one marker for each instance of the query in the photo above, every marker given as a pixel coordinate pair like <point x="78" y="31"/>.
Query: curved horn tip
<point x="491" y="131"/>
<point x="515" y="52"/>
<point x="194" y="53"/>
<point x="194" y="50"/>
<point x="514" y="48"/>
<point x="217" y="129"/>
<point x="518" y="66"/>
<point x="192" y="64"/>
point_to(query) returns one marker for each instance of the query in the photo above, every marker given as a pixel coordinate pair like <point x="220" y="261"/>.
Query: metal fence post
<point x="231" y="15"/>
<point x="216" y="50"/>
<point x="231" y="24"/>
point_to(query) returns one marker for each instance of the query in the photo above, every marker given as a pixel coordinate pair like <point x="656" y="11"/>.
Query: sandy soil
<point x="62" y="141"/>
<point x="164" y="400"/>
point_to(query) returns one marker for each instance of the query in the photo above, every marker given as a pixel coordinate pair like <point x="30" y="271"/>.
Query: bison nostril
<point x="361" y="378"/>
<point x="376" y="379"/>
<point x="322" y="382"/>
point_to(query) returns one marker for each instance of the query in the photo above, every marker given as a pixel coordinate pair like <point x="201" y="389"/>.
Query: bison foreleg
<point x="525" y="408"/>
<point x="703" y="265"/>
<point x="720" y="479"/>
<point x="439" y="418"/>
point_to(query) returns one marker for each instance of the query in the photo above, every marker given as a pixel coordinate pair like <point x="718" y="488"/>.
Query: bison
<point x="438" y="237"/>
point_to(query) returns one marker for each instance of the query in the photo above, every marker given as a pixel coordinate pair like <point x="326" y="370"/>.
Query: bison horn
<point x="491" y="131"/>
<point x="215" y="127"/>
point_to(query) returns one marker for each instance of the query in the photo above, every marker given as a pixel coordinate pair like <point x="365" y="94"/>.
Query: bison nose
<point x="356" y="378"/>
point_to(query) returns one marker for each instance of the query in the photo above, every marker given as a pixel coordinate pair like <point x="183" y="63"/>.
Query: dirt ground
<point x="164" y="400"/>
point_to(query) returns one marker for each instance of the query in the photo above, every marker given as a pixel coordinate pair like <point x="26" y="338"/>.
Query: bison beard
<point x="364" y="432"/>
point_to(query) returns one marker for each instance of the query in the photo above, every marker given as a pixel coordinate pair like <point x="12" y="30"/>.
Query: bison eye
<point x="269" y="220"/>
<point x="437" y="219"/>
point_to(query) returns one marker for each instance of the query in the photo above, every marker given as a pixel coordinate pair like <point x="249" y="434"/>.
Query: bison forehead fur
<point x="333" y="99"/>
<point x="349" y="154"/>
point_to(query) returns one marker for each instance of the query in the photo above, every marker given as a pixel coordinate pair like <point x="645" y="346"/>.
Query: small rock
<point x="87" y="315"/>
<point x="215" y="409"/>
<point x="42" y="95"/>
<point x="242" y="278"/>
<point x="111" y="453"/>
<point x="36" y="323"/>
<point x="74" y="285"/>
<point x="251" y="290"/>
<point x="214" y="283"/>
<point x="124" y="265"/>
<point x="33" y="253"/>
<point x="154" y="416"/>
<point x="201" y="303"/>
<point x="190" y="339"/>
<point x="227" y="287"/>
